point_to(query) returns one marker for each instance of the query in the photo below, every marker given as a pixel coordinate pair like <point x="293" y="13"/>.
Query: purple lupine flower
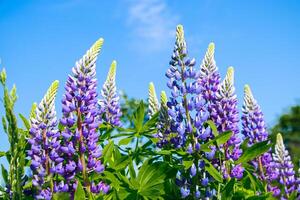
<point x="225" y="115"/>
<point x="254" y="128"/>
<point x="109" y="104"/>
<point x="181" y="75"/>
<point x="163" y="125"/>
<point x="184" y="116"/>
<point x="44" y="143"/>
<point x="284" y="167"/>
<point x="209" y="77"/>
<point x="80" y="119"/>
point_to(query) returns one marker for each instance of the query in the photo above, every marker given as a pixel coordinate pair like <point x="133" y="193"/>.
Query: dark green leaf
<point x="228" y="189"/>
<point x="139" y="116"/>
<point x="213" y="127"/>
<point x="4" y="174"/>
<point x="253" y="152"/>
<point x="213" y="171"/>
<point x="107" y="151"/>
<point x="220" y="139"/>
<point x="61" y="196"/>
<point x="79" y="193"/>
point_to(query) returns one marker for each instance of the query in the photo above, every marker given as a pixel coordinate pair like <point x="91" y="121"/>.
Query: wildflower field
<point x="189" y="142"/>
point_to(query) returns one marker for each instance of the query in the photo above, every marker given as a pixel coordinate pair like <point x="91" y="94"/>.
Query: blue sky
<point x="41" y="40"/>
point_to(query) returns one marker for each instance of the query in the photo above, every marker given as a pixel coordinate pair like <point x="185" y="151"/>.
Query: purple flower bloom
<point x="254" y="129"/>
<point x="80" y="119"/>
<point x="209" y="78"/>
<point x="109" y="104"/>
<point x="43" y="134"/>
<point x="237" y="171"/>
<point x="225" y="115"/>
<point x="284" y="168"/>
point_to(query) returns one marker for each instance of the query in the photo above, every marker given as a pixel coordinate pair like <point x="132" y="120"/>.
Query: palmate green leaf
<point x="125" y="141"/>
<point x="121" y="163"/>
<point x="219" y="140"/>
<point x="228" y="189"/>
<point x="187" y="164"/>
<point x="254" y="151"/>
<point x="107" y="151"/>
<point x="61" y="196"/>
<point x="138" y="117"/>
<point x="79" y="193"/>
<point x="213" y="171"/>
<point x="151" y="178"/>
<point x="114" y="182"/>
<point x="213" y="127"/>
<point x="131" y="170"/>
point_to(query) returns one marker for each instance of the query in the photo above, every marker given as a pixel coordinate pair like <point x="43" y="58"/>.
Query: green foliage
<point x="14" y="177"/>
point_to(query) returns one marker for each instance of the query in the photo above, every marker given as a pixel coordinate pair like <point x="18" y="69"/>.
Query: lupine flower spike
<point x="225" y="115"/>
<point x="44" y="143"/>
<point x="79" y="149"/>
<point x="152" y="101"/>
<point x="209" y="77"/>
<point x="254" y="128"/>
<point x="181" y="74"/>
<point x="109" y="104"/>
<point x="285" y="170"/>
<point x="163" y="125"/>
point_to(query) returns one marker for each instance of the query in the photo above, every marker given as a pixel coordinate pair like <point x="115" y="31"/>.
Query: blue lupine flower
<point x="44" y="143"/>
<point x="81" y="118"/>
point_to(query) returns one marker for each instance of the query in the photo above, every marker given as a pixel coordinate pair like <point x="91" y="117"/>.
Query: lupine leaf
<point x="61" y="196"/>
<point x="125" y="141"/>
<point x="220" y="139"/>
<point x="254" y="151"/>
<point x="79" y="193"/>
<point x="4" y="174"/>
<point x="139" y="115"/>
<point x="213" y="171"/>
<point x="228" y="189"/>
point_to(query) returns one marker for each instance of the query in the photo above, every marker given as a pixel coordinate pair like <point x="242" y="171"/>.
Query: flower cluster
<point x="183" y="125"/>
<point x="225" y="115"/>
<point x="209" y="78"/>
<point x="79" y="148"/>
<point x="254" y="128"/>
<point x="44" y="144"/>
<point x="284" y="169"/>
<point x="109" y="104"/>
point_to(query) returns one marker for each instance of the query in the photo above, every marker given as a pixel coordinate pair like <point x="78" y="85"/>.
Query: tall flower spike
<point x="225" y="115"/>
<point x="186" y="112"/>
<point x="164" y="121"/>
<point x="80" y="151"/>
<point x="152" y="101"/>
<point x="209" y="77"/>
<point x="254" y="128"/>
<point x="44" y="143"/>
<point x="110" y="101"/>
<point x="285" y="169"/>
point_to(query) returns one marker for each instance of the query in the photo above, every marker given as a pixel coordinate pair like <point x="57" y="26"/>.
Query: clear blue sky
<point x="41" y="40"/>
